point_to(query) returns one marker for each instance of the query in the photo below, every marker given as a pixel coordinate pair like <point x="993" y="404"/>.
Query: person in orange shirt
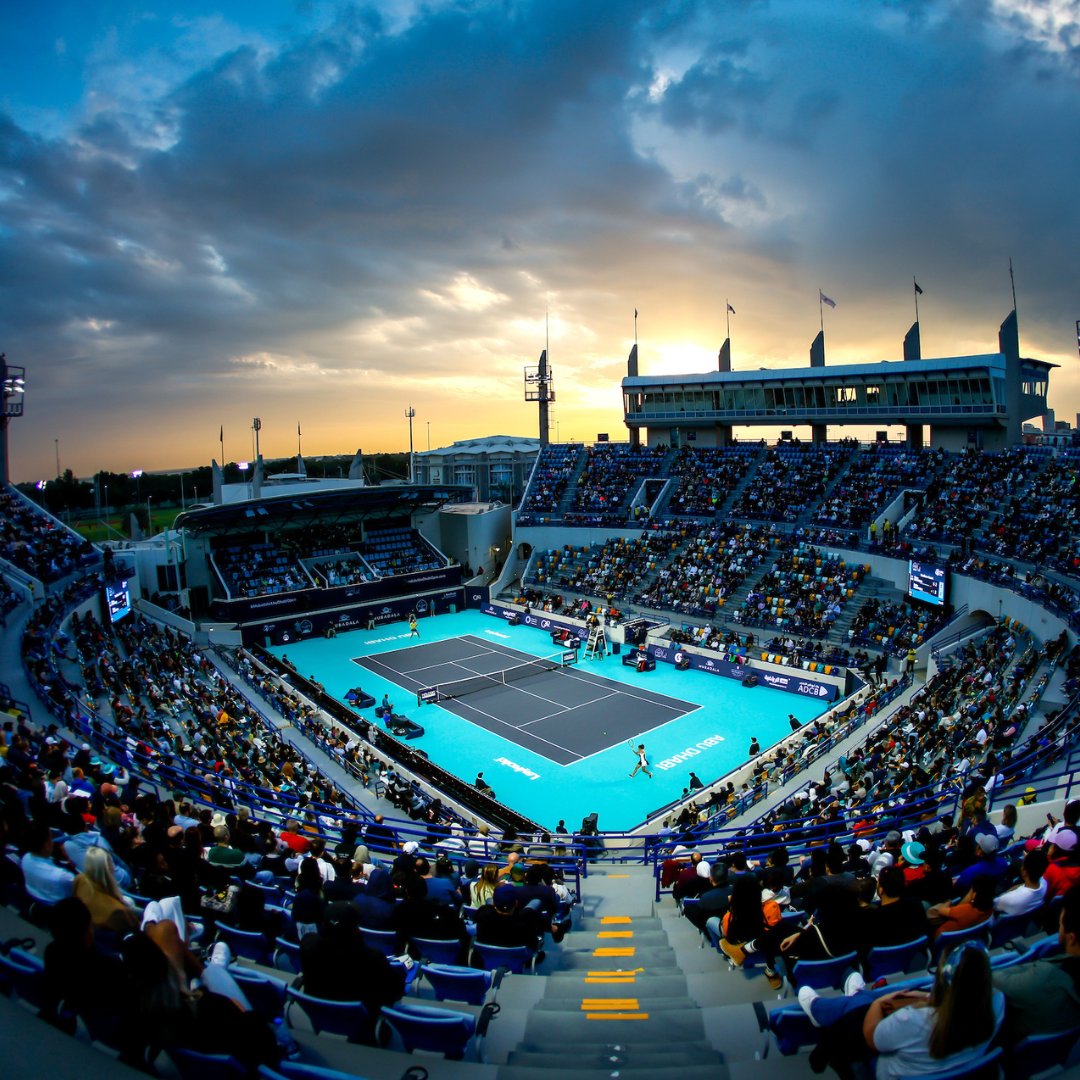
<point x="976" y="907"/>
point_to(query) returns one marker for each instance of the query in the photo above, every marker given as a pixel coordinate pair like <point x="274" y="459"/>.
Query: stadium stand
<point x="882" y="820"/>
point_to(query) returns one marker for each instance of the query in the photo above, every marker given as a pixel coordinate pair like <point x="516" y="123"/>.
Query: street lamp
<point x="149" y="519"/>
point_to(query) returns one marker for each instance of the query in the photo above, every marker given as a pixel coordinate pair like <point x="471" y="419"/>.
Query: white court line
<point x="512" y="727"/>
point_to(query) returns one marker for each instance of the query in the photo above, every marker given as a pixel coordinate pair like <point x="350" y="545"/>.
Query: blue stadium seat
<point x="438" y="1031"/>
<point x="515" y="960"/>
<point x="453" y="983"/>
<point x="192" y="1065"/>
<point x="885" y="960"/>
<point x="348" y="1018"/>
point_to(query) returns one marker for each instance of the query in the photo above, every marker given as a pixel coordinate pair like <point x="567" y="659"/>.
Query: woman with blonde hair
<point x="96" y="887"/>
<point x="483" y="888"/>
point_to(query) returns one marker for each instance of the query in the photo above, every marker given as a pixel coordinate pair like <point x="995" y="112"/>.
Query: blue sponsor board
<point x="791" y="682"/>
<point x="542" y="620"/>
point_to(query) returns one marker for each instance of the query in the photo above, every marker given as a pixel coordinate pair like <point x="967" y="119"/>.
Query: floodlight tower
<point x="13" y="380"/>
<point x="539" y="388"/>
<point x="410" y="412"/>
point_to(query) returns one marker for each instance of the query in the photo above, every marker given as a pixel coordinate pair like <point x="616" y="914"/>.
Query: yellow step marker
<point x="612" y="920"/>
<point x="611" y="980"/>
<point x="615" y="933"/>
<point x="627" y="950"/>
<point x="613" y="876"/>
<point x="617" y="1016"/>
<point x="628" y="973"/>
<point x="611" y="1004"/>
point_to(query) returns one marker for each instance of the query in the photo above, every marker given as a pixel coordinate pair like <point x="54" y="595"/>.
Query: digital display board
<point x="117" y="600"/>
<point x="927" y="582"/>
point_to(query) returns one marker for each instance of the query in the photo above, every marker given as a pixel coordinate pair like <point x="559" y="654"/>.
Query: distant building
<point x="497" y="466"/>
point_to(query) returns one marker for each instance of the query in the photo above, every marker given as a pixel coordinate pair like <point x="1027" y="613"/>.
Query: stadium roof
<point x="874" y="369"/>
<point x="322" y="507"/>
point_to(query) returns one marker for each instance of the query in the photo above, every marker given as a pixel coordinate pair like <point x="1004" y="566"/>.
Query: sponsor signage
<point x="247" y="609"/>
<point x="283" y="630"/>
<point x="542" y="620"/>
<point x="791" y="682"/>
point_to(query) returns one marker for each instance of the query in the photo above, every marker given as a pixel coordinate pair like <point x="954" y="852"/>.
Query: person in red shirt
<point x="293" y="840"/>
<point x="1063" y="869"/>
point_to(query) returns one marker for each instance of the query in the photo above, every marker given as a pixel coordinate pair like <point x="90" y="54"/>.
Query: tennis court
<point x="540" y="742"/>
<point x="562" y="713"/>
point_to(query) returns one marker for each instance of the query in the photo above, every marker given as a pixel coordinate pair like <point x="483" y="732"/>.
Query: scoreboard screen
<point x="117" y="600"/>
<point x="927" y="582"/>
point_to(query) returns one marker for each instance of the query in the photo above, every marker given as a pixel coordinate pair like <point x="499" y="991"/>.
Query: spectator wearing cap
<point x="912" y="861"/>
<point x="988" y="864"/>
<point x="1063" y="866"/>
<point x="1030" y="894"/>
<point x="506" y="922"/>
<point x="405" y="860"/>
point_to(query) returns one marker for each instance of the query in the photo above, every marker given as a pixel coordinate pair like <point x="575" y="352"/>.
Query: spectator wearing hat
<point x="1063" y="867"/>
<point x="912" y="861"/>
<point x="988" y="864"/>
<point x="506" y="922"/>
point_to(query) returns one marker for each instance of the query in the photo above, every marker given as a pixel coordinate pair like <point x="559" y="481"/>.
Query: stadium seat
<point x="266" y="994"/>
<point x="1043" y="1055"/>
<point x="385" y="941"/>
<point x="22" y="974"/>
<point x="1006" y="928"/>
<point x="452" y="983"/>
<point x="435" y="951"/>
<point x="193" y="1065"/>
<point x="822" y="974"/>
<point x="985" y="1067"/>
<point x="896" y="959"/>
<point x="951" y="938"/>
<point x="249" y="944"/>
<point x="348" y="1018"/>
<point x="438" y="1031"/>
<point x="515" y="960"/>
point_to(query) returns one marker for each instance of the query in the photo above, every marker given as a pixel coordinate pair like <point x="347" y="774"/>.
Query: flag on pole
<point x="918" y="291"/>
<point x="221" y="434"/>
<point x="825" y="300"/>
<point x="635" y="313"/>
<point x="731" y="309"/>
<point x="298" y="429"/>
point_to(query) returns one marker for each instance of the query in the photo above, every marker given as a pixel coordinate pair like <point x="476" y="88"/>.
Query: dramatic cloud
<point x="329" y="212"/>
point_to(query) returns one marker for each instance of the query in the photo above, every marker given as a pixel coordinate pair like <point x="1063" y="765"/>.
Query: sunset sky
<point x="325" y="212"/>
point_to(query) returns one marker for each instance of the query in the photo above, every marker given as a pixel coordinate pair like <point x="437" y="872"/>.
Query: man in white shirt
<point x="44" y="880"/>
<point x="1031" y="892"/>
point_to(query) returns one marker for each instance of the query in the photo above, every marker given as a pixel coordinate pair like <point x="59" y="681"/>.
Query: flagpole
<point x="297" y="438"/>
<point x="915" y="289"/>
<point x="635" y="326"/>
<point x="727" y="316"/>
<point x="1012" y="282"/>
<point x="222" y="437"/>
<point x="820" y="311"/>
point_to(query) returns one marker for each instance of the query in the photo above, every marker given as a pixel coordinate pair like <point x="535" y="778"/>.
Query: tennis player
<point x="642" y="762"/>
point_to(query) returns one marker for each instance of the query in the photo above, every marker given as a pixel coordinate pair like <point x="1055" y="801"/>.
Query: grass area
<point x="115" y="527"/>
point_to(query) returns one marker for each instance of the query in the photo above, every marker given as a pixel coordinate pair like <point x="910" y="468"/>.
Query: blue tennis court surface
<point x="554" y="745"/>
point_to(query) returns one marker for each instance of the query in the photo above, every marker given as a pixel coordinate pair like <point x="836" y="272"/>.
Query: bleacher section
<point x="156" y="746"/>
<point x="36" y="543"/>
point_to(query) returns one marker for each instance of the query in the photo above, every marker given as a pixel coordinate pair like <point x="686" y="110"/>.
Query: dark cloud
<point x="390" y="203"/>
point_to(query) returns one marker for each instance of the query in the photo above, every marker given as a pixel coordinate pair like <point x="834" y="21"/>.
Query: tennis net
<point x="474" y="684"/>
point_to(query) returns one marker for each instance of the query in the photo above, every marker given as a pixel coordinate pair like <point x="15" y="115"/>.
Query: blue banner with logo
<point x="791" y="682"/>
<point x="542" y="620"/>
